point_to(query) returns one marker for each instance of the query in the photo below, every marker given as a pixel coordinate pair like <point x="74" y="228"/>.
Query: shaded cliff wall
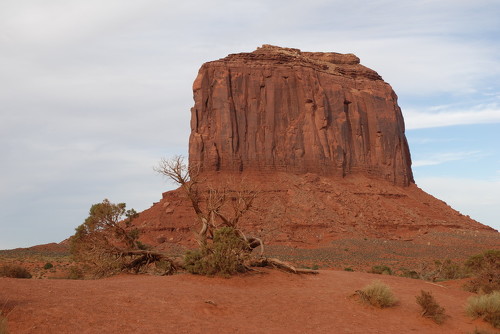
<point x="279" y="109"/>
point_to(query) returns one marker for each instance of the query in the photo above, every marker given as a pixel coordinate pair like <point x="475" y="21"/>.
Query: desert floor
<point x="267" y="302"/>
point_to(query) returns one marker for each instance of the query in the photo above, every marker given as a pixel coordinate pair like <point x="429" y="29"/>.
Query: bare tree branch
<point x="218" y="207"/>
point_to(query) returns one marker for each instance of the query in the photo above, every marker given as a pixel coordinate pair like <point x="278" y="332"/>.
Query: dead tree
<point x="222" y="207"/>
<point x="217" y="207"/>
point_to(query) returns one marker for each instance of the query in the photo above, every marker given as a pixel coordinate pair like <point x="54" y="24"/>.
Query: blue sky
<point x="93" y="93"/>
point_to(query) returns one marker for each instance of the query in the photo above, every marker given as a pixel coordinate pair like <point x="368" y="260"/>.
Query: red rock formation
<point x="258" y="115"/>
<point x="280" y="109"/>
<point x="310" y="210"/>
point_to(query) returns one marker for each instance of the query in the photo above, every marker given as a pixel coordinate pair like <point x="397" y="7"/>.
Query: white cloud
<point x="58" y="21"/>
<point x="445" y="116"/>
<point x="440" y="158"/>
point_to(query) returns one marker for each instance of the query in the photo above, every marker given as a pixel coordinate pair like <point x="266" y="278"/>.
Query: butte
<point x="320" y="136"/>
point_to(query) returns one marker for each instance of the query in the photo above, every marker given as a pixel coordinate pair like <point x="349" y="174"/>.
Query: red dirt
<point x="273" y="302"/>
<point x="310" y="211"/>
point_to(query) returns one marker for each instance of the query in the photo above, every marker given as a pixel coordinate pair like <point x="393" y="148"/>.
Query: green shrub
<point x="225" y="256"/>
<point x="430" y="308"/>
<point x="480" y="261"/>
<point x="381" y="270"/>
<point x="409" y="273"/>
<point x="103" y="243"/>
<point x="486" y="307"/>
<point x="486" y="270"/>
<point x="48" y="265"/>
<point x="377" y="294"/>
<point x="348" y="269"/>
<point x="14" y="271"/>
<point x="194" y="261"/>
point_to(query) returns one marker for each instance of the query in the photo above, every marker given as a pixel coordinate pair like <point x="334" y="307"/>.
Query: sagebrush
<point x="14" y="271"/>
<point x="486" y="307"/>
<point x="430" y="308"/>
<point x="377" y="294"/>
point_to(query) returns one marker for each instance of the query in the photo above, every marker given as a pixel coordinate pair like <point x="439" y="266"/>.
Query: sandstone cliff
<point x="280" y="109"/>
<point x="322" y="139"/>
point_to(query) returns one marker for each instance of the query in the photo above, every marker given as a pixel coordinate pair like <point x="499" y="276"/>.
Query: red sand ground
<point x="273" y="302"/>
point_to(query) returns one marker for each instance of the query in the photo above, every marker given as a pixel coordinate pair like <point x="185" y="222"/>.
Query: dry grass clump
<point x="377" y="294"/>
<point x="14" y="271"/>
<point x="486" y="307"/>
<point x="430" y="308"/>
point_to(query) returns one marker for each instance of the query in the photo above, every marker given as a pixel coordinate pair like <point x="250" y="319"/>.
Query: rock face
<point x="289" y="124"/>
<point x="280" y="109"/>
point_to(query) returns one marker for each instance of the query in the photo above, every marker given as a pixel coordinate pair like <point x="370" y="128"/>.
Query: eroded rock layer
<point x="308" y="210"/>
<point x="280" y="109"/>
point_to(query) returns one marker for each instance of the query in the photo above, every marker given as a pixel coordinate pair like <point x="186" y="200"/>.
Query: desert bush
<point x="485" y="268"/>
<point x="482" y="260"/>
<point x="409" y="273"/>
<point x="225" y="256"/>
<point x="381" y="270"/>
<point x="48" y="265"/>
<point x="430" y="308"/>
<point x="348" y="269"/>
<point x="75" y="273"/>
<point x="450" y="270"/>
<point x="486" y="307"/>
<point x="102" y="233"/>
<point x="106" y="244"/>
<point x="195" y="262"/>
<point x="164" y="267"/>
<point x="440" y="270"/>
<point x="377" y="294"/>
<point x="14" y="271"/>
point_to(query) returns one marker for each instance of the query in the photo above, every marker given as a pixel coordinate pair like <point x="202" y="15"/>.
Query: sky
<point x="93" y="93"/>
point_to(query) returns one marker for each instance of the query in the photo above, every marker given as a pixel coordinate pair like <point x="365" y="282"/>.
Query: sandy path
<point x="269" y="303"/>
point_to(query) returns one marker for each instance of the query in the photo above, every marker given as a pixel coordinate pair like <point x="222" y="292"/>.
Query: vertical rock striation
<point x="280" y="109"/>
